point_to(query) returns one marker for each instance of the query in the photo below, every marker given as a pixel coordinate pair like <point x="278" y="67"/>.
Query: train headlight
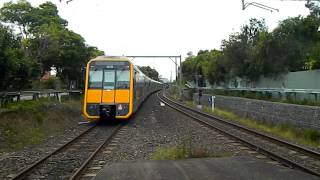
<point x="93" y="109"/>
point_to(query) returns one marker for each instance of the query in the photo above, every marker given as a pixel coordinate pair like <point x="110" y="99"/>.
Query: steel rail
<point x="28" y="169"/>
<point x="255" y="147"/>
<point x="295" y="147"/>
<point x="84" y="165"/>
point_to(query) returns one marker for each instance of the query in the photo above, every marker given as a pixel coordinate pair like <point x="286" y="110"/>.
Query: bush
<point x="51" y="83"/>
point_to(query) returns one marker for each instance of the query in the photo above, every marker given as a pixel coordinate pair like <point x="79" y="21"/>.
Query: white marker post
<point x="212" y="102"/>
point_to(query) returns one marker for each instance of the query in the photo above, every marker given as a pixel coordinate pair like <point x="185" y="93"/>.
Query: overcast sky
<point x="164" y="27"/>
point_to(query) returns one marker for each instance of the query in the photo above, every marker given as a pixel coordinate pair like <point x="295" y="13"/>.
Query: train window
<point x="95" y="78"/>
<point x="123" y="79"/>
<point x="109" y="77"/>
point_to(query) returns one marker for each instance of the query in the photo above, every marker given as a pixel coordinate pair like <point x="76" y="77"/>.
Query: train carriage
<point x="115" y="88"/>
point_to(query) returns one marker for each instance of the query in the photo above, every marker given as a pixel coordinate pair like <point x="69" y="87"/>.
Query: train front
<point x="108" y="89"/>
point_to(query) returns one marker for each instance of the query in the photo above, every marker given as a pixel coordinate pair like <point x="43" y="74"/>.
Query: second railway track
<point x="68" y="160"/>
<point x="289" y="154"/>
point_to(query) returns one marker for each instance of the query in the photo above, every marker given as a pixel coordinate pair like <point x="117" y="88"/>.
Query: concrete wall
<point x="292" y="80"/>
<point x="300" y="116"/>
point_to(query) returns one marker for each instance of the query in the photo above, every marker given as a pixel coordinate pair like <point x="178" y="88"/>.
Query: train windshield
<point x="106" y="76"/>
<point x="109" y="79"/>
<point x="123" y="79"/>
<point x="95" y="78"/>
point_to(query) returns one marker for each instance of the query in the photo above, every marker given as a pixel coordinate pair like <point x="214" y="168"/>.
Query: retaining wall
<point x="298" y="115"/>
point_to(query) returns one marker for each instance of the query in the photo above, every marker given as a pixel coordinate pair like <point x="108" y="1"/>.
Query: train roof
<point x="121" y="58"/>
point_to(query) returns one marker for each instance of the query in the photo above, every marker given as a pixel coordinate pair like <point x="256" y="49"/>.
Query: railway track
<point x="69" y="160"/>
<point x="291" y="155"/>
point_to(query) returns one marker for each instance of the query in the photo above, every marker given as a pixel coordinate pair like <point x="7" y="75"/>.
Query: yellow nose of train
<point x="108" y="90"/>
<point x="115" y="88"/>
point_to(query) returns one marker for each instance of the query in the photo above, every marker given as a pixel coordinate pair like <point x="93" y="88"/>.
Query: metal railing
<point x="312" y="95"/>
<point x="281" y="90"/>
<point x="8" y="97"/>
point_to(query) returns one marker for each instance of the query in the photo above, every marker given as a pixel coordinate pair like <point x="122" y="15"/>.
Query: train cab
<point x="108" y="89"/>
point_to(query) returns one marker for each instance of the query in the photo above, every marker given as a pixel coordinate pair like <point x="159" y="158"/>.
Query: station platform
<point x="230" y="168"/>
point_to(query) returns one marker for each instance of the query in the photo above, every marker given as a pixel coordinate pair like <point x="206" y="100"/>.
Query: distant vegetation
<point x="34" y="39"/>
<point x="254" y="51"/>
<point x="150" y="72"/>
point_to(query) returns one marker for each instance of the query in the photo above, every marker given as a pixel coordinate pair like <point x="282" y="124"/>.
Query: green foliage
<point x="20" y="14"/>
<point x="254" y="52"/>
<point x="51" y="83"/>
<point x="43" y="42"/>
<point x="186" y="151"/>
<point x="16" y="69"/>
<point x="26" y="123"/>
<point x="150" y="72"/>
<point x="208" y="61"/>
<point x="314" y="7"/>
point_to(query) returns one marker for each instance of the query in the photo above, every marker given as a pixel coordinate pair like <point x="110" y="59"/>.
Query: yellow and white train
<point x="115" y="88"/>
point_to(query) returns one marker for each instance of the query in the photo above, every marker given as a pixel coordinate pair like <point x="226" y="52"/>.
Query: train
<point x="115" y="88"/>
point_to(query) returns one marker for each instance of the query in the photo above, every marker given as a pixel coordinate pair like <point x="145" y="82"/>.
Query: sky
<point x="164" y="27"/>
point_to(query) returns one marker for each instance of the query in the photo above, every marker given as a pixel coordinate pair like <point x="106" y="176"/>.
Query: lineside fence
<point x="8" y="97"/>
<point x="311" y="95"/>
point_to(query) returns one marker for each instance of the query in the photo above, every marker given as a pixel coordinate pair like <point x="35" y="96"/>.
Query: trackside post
<point x="211" y="102"/>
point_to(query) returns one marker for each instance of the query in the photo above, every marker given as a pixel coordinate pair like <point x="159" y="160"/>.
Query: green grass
<point x="27" y="123"/>
<point x="27" y="105"/>
<point x="310" y="137"/>
<point x="186" y="150"/>
<point x="303" y="136"/>
<point x="175" y="153"/>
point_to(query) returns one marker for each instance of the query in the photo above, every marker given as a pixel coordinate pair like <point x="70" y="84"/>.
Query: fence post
<point x="18" y="97"/>
<point x="35" y="96"/>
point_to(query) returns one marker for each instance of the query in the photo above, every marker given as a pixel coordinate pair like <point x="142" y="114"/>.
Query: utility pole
<point x="180" y="78"/>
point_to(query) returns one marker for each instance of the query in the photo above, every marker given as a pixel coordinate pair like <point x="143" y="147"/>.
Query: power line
<point x="259" y="5"/>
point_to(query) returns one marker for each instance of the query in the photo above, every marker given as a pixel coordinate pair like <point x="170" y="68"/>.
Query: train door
<point x="107" y="107"/>
<point x="108" y="89"/>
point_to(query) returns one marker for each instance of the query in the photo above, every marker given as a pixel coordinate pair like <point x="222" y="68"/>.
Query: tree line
<point x="150" y="72"/>
<point x="294" y="45"/>
<point x="35" y="39"/>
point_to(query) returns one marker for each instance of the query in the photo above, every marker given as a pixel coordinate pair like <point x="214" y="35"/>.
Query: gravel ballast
<point x="157" y="127"/>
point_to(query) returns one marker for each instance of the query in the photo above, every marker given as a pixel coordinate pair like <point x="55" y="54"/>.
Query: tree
<point x="292" y="45"/>
<point x="150" y="72"/>
<point x="46" y="43"/>
<point x="16" y="70"/>
<point x="314" y="7"/>
<point x="20" y="14"/>
<point x="238" y="48"/>
<point x="46" y="14"/>
<point x="189" y="67"/>
<point x="217" y="70"/>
